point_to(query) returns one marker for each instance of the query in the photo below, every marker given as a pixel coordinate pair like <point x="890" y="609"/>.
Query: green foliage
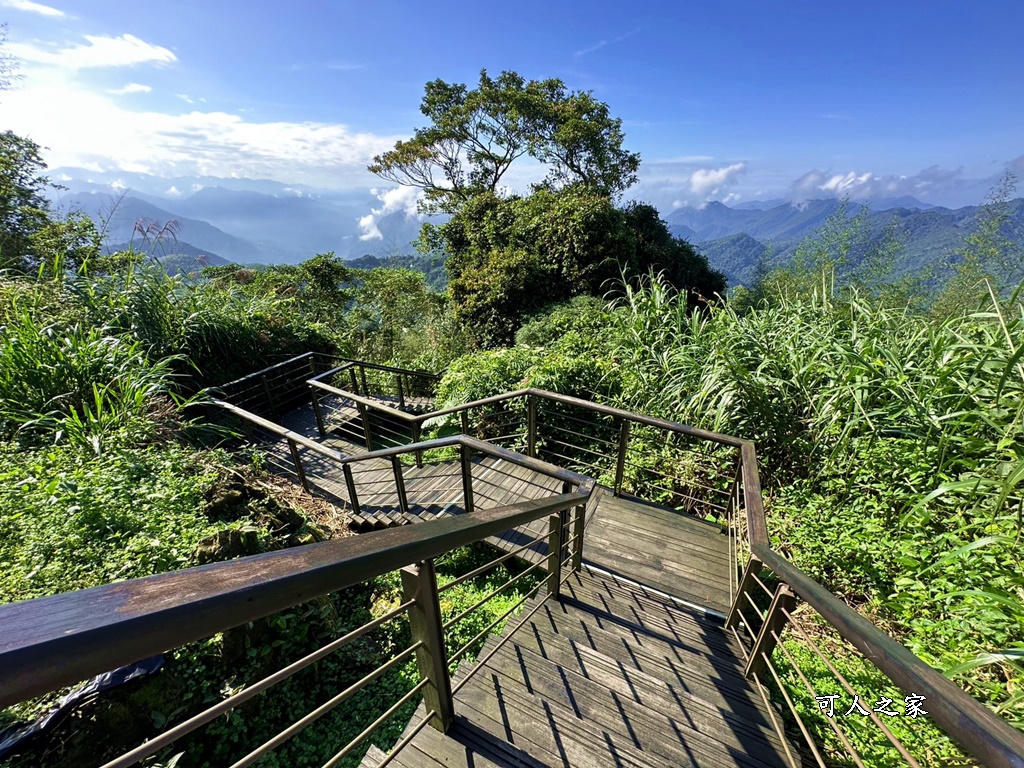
<point x="992" y="254"/>
<point x="579" y="324"/>
<point x="430" y="264"/>
<point x="70" y="520"/>
<point x="886" y="440"/>
<point x="511" y="258"/>
<point x="77" y="383"/>
<point x="23" y="208"/>
<point x="477" y="134"/>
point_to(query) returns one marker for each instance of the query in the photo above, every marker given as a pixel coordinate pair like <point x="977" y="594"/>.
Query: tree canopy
<point x="510" y="259"/>
<point x="477" y="134"/>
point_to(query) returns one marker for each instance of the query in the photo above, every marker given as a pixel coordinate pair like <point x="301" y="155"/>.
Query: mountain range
<point x="258" y="221"/>
<point x="736" y="238"/>
<point x="241" y="220"/>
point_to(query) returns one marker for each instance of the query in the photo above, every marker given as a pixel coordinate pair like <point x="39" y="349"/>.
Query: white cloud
<point x="706" y="182"/>
<point x="186" y="98"/>
<point x="864" y="185"/>
<point x="100" y="51"/>
<point x="173" y="191"/>
<point x="396" y="199"/>
<point x="195" y="143"/>
<point x="602" y="43"/>
<point x="131" y="88"/>
<point x="31" y="7"/>
<point x="688" y="159"/>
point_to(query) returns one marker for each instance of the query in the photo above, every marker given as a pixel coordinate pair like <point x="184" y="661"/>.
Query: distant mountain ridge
<point x="263" y="222"/>
<point x="260" y="221"/>
<point x="734" y="239"/>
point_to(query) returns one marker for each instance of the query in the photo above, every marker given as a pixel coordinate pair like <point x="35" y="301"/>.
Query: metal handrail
<point x="269" y="368"/>
<point x="977" y="730"/>
<point x="375" y="366"/>
<point x="981" y="733"/>
<point x="481" y="446"/>
<point x="651" y="421"/>
<point x="51" y="642"/>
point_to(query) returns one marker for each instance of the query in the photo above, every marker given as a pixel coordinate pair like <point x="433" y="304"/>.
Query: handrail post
<point x="751" y="570"/>
<point x="419" y="583"/>
<point x="299" y="469"/>
<point x="555" y="554"/>
<point x="578" y="522"/>
<point x="783" y="602"/>
<point x="270" y="398"/>
<point x="403" y="499"/>
<point x="416" y="429"/>
<point x="531" y="426"/>
<point x="350" y="483"/>
<point x="318" y="411"/>
<point x="567" y="487"/>
<point x="364" y="416"/>
<point x="466" y="459"/>
<point x="362" y="376"/>
<point x="355" y="381"/>
<point x="464" y="414"/>
<point x="620" y="463"/>
<point x="401" y="392"/>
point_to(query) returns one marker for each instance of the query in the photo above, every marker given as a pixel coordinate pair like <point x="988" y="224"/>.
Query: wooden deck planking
<point x="630" y="667"/>
<point x="644" y="542"/>
<point x="585" y="682"/>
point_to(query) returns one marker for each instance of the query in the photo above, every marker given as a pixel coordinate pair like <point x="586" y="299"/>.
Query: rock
<point x="226" y="545"/>
<point x="223" y="501"/>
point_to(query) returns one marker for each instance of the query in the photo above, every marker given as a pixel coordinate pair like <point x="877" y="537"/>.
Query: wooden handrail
<point x="51" y="642"/>
<point x="979" y="731"/>
<point x="651" y="421"/>
<point x="481" y="446"/>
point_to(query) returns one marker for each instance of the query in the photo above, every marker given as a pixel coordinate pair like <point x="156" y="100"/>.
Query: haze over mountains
<point x="258" y="221"/>
<point x="734" y="238"/>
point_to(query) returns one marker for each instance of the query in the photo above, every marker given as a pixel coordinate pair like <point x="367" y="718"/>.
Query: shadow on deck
<point x="632" y="666"/>
<point x="605" y="676"/>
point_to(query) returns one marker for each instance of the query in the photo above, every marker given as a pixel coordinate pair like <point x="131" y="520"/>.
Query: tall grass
<point x="891" y="446"/>
<point x="76" y="383"/>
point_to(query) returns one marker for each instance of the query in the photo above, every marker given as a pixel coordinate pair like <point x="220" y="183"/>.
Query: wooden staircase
<point x="609" y="675"/>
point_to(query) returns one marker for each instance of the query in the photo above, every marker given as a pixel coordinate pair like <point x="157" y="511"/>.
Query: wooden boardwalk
<point x="605" y="676"/>
<point x="632" y="666"/>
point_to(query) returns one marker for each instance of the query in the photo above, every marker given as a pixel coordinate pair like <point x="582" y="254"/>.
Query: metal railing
<point x="764" y="618"/>
<point x="278" y="388"/>
<point x="52" y="642"/>
<point x="713" y="476"/>
<point x="672" y="464"/>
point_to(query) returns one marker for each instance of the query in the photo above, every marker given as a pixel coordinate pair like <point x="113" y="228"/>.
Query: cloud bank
<point x="97" y="51"/>
<point x="395" y="200"/>
<point x="200" y="142"/>
<point x="864" y="185"/>
<point x="31" y="7"/>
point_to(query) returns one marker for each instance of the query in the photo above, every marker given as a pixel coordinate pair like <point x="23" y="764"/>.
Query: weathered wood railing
<point x="714" y="476"/>
<point x="764" y="607"/>
<point x="57" y="641"/>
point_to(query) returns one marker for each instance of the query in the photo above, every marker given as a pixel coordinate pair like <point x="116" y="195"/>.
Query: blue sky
<point x="731" y="101"/>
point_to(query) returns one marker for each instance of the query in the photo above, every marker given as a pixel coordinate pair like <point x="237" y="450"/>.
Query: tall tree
<point x="477" y="134"/>
<point x="23" y="209"/>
